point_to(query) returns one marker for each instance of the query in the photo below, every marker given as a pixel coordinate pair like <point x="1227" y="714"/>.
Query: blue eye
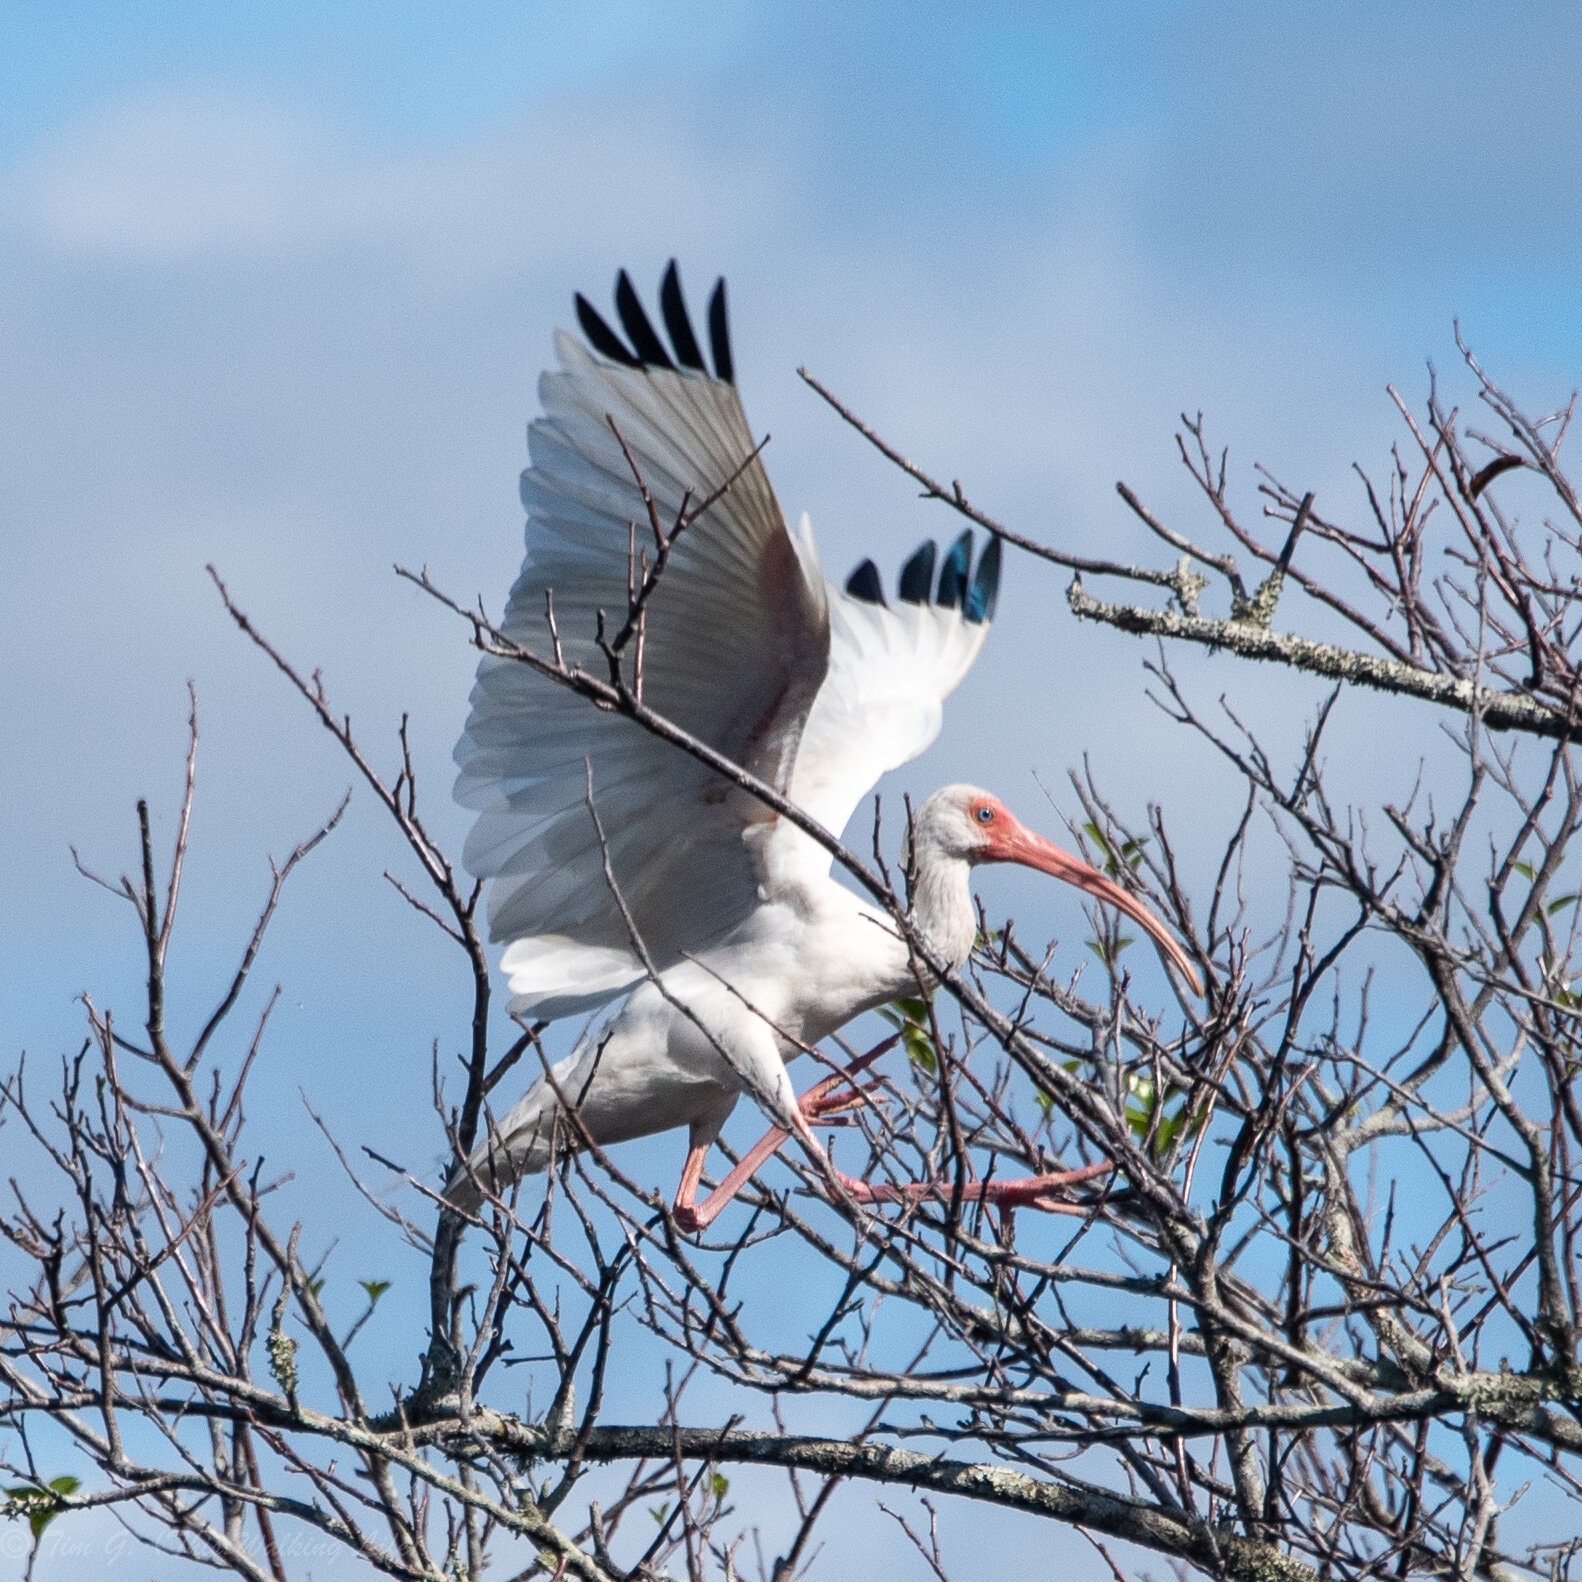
<point x="985" y="815"/>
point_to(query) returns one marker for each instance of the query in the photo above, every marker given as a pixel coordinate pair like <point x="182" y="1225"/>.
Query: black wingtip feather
<point x="917" y="575"/>
<point x="864" y="584"/>
<point x="985" y="585"/>
<point x="601" y="337"/>
<point x="645" y="342"/>
<point x="720" y="336"/>
<point x="954" y="578"/>
<point x="677" y="321"/>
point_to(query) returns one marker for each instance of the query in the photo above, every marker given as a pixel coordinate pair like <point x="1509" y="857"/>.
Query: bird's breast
<point x="807" y="965"/>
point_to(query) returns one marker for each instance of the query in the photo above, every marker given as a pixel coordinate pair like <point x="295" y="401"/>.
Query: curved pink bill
<point x="1012" y="842"/>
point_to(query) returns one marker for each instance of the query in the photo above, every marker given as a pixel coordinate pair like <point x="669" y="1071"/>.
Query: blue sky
<point x="276" y="283"/>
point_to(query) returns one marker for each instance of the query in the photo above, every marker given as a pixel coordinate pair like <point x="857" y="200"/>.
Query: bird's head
<point x="962" y="823"/>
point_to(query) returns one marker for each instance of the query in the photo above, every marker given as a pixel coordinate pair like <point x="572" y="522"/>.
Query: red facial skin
<point x="1005" y="839"/>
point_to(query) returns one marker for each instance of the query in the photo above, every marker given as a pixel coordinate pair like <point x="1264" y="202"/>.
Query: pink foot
<point x="1040" y="1192"/>
<point x="824" y="1102"/>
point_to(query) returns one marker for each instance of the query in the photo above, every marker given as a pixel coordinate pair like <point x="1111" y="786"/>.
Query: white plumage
<point x="815" y="689"/>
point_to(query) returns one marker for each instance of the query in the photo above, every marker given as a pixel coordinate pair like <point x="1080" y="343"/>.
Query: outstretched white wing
<point x="736" y="646"/>
<point x="891" y="667"/>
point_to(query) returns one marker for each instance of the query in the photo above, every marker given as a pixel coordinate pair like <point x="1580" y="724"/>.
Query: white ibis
<point x="622" y="867"/>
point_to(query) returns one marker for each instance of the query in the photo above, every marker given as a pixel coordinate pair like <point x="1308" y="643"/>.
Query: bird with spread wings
<point x="625" y="870"/>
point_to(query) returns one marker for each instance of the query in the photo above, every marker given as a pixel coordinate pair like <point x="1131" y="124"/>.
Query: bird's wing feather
<point x="736" y="645"/>
<point x="891" y="667"/>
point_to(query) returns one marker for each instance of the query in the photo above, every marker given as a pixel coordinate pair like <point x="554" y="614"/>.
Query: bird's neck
<point x="942" y="907"/>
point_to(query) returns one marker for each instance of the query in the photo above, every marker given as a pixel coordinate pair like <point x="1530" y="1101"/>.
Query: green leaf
<point x="1130" y="853"/>
<point x="1139" y="1116"/>
<point x="1169" y="1130"/>
<point x="375" y="1289"/>
<point x="1108" y="953"/>
<point x="1560" y="904"/>
<point x="1144" y="1112"/>
<point x="719" y="1485"/>
<point x="1045" y="1101"/>
<point x="898" y="1012"/>
<point x="316" y="1286"/>
<point x="659" y="1513"/>
<point x="911" y="1016"/>
<point x="1140" y="1086"/>
<point x="920" y="1049"/>
<point x="42" y="1505"/>
<point x="1525" y="869"/>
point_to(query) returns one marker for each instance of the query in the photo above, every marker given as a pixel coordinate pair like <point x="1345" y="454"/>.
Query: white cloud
<point x="214" y="178"/>
<point x="170" y="179"/>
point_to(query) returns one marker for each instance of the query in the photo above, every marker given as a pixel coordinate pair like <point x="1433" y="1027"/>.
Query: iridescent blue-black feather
<point x="677" y="320"/>
<point x="985" y="585"/>
<point x="720" y="335"/>
<point x="864" y="583"/>
<point x="601" y="337"/>
<point x="647" y="350"/>
<point x="639" y="330"/>
<point x="917" y="575"/>
<point x="956" y="574"/>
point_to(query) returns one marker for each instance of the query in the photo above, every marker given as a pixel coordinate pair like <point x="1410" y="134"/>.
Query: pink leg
<point x="692" y="1216"/>
<point x="686" y="1193"/>
<point x="1027" y="1192"/>
<point x="1039" y="1192"/>
<point x="695" y="1218"/>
